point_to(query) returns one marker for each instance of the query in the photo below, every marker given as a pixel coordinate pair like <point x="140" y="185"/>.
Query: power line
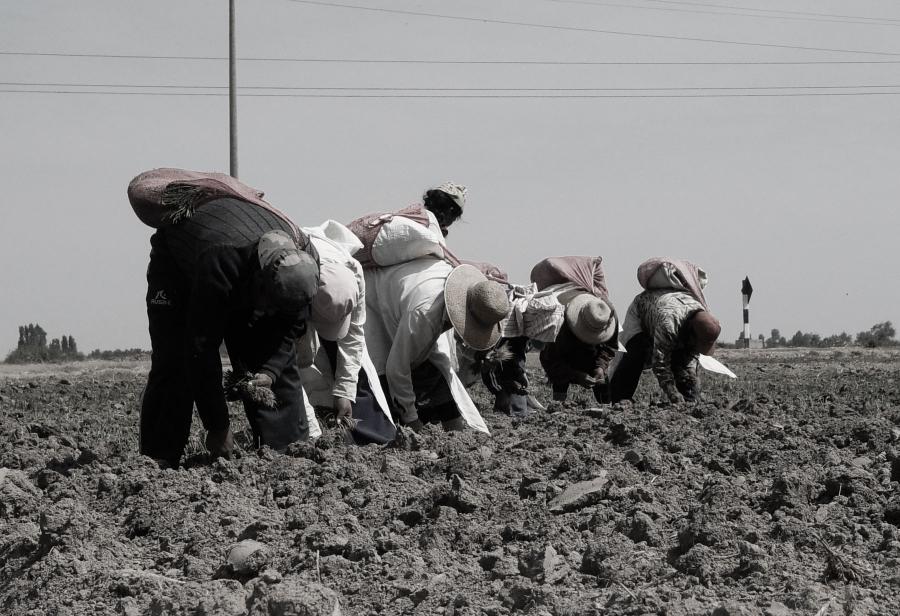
<point x="728" y="13"/>
<point x="670" y="37"/>
<point x="445" y="89"/>
<point x="461" y="96"/>
<point x="745" y="8"/>
<point x="488" y="62"/>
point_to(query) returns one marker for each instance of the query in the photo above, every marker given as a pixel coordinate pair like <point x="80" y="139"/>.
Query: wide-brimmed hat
<point x="335" y="300"/>
<point x="456" y="191"/>
<point x="591" y="319"/>
<point x="476" y="306"/>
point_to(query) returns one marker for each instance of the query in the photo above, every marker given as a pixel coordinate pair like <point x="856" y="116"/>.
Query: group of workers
<point x="376" y="323"/>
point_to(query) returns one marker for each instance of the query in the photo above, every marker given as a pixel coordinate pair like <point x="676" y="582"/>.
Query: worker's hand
<point x="220" y="443"/>
<point x="554" y="406"/>
<point x="675" y="397"/>
<point x="342" y="408"/>
<point x="584" y="379"/>
<point x="415" y="425"/>
<point x="261" y="379"/>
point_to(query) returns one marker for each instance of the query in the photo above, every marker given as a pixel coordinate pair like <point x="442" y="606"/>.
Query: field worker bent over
<point x="332" y="353"/>
<point x="587" y="339"/>
<point x="409" y="306"/>
<point x="583" y="349"/>
<point x="667" y="328"/>
<point x="338" y="314"/>
<point x="237" y="272"/>
<point x="535" y="319"/>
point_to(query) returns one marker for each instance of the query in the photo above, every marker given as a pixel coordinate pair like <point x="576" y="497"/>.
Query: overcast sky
<point x="786" y="173"/>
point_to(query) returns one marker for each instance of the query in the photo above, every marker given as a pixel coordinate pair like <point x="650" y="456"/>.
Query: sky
<point x="753" y="137"/>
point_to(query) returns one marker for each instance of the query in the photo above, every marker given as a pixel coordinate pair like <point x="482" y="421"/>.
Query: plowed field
<point x="778" y="494"/>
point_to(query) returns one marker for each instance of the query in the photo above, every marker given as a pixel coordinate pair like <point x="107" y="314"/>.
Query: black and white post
<point x="746" y="291"/>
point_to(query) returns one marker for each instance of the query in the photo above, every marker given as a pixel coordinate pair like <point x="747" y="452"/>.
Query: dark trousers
<point x="625" y="379"/>
<point x="434" y="400"/>
<point x="372" y="426"/>
<point x="508" y="381"/>
<point x="286" y="423"/>
<point x="167" y="403"/>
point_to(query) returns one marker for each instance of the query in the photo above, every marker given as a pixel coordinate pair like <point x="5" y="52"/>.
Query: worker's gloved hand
<point x="220" y="443"/>
<point x="342" y="408"/>
<point x="261" y="379"/>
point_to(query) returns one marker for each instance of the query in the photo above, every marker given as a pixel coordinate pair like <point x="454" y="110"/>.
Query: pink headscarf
<point x="668" y="273"/>
<point x="585" y="272"/>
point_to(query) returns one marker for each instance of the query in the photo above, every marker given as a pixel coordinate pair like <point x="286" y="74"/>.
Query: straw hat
<point x="475" y="306"/>
<point x="590" y="318"/>
<point x="335" y="300"/>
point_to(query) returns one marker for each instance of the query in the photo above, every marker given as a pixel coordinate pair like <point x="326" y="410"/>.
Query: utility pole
<point x="232" y="93"/>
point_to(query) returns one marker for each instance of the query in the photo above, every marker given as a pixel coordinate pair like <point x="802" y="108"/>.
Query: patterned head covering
<point x="456" y="191"/>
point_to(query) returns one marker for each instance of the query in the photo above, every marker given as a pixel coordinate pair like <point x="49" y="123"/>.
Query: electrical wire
<point x="729" y="13"/>
<point x="670" y="37"/>
<point x="461" y="96"/>
<point x="746" y="8"/>
<point x="444" y="89"/>
<point x="487" y="62"/>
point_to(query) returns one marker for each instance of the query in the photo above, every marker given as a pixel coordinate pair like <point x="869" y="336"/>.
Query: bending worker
<point x="235" y="270"/>
<point x="668" y="326"/>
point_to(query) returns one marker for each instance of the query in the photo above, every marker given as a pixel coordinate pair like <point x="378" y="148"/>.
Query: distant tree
<point x="776" y="339"/>
<point x="118" y="354"/>
<point x="837" y="340"/>
<point x="880" y="334"/>
<point x="33" y="347"/>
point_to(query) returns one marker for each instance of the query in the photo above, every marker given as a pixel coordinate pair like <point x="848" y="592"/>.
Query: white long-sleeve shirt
<point x="335" y="244"/>
<point x="406" y="315"/>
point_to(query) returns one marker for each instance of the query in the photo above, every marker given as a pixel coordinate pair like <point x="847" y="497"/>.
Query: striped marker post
<point x="746" y="292"/>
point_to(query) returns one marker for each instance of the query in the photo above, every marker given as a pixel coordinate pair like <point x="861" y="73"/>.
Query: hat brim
<point x="331" y="331"/>
<point x="476" y="335"/>
<point x="574" y="307"/>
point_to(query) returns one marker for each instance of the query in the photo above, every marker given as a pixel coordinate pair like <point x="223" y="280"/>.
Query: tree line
<point x="879" y="335"/>
<point x="34" y="348"/>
